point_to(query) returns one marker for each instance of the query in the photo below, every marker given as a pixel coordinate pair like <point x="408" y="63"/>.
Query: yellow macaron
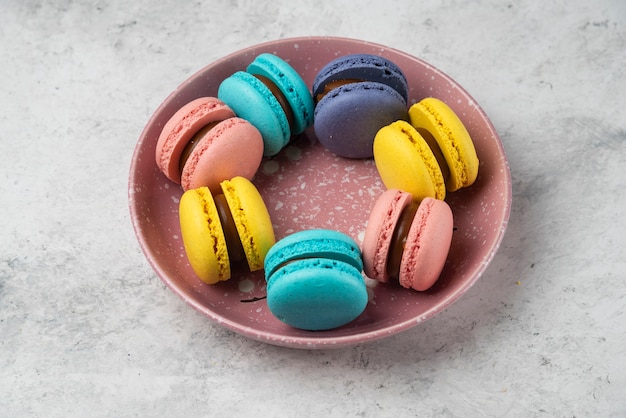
<point x="219" y="231"/>
<point x="449" y="139"/>
<point x="251" y="219"/>
<point x="405" y="161"/>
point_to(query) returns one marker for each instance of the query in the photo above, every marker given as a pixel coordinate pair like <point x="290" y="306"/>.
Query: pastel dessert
<point x="314" y="280"/>
<point x="221" y="230"/>
<point x="432" y="154"/>
<point x="272" y="96"/>
<point x="355" y="96"/>
<point x="407" y="241"/>
<point x="197" y="145"/>
<point x="449" y="139"/>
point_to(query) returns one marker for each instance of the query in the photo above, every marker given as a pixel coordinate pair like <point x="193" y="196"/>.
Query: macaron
<point x="407" y="241"/>
<point x="448" y="138"/>
<point x="203" y="143"/>
<point x="314" y="280"/>
<point x="222" y="230"/>
<point x="355" y="96"/>
<point x="272" y="96"/>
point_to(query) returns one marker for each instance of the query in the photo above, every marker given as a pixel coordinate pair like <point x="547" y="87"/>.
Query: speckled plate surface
<point x="306" y="187"/>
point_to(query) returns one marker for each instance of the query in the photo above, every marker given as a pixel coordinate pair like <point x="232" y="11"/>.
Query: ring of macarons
<point x="358" y="108"/>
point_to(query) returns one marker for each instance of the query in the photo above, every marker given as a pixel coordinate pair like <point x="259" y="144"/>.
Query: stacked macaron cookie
<point x="431" y="154"/>
<point x="220" y="230"/>
<point x="358" y="108"/>
<point x="314" y="280"/>
<point x="196" y="145"/>
<point x="406" y="241"/>
<point x="355" y="96"/>
<point x="273" y="97"/>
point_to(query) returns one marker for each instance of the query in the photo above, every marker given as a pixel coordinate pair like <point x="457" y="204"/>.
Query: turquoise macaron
<point x="273" y="97"/>
<point x="314" y="280"/>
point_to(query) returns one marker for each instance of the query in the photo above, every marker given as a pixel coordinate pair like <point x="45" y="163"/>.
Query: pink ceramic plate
<point x="307" y="187"/>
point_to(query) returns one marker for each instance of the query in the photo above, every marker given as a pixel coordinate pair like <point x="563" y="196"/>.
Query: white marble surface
<point x="87" y="328"/>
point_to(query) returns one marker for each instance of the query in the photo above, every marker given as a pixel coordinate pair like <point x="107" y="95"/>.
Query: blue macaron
<point x="272" y="96"/>
<point x="364" y="67"/>
<point x="357" y="95"/>
<point x="314" y="280"/>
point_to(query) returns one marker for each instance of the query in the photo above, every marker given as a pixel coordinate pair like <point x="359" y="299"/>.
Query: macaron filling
<point x="436" y="149"/>
<point x="332" y="85"/>
<point x="280" y="97"/>
<point x="193" y="142"/>
<point x="398" y="240"/>
<point x="236" y="253"/>
<point x="330" y="257"/>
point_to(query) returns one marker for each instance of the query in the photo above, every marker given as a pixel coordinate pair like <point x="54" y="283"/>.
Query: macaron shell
<point x="203" y="237"/>
<point x="313" y="243"/>
<point x="427" y="245"/>
<point x="364" y="67"/>
<point x="232" y="148"/>
<point x="290" y="84"/>
<point x="251" y="219"/>
<point x="250" y="99"/>
<point x="348" y="117"/>
<point x="379" y="231"/>
<point x="181" y="127"/>
<point x="405" y="161"/>
<point x="317" y="294"/>
<point x="452" y="137"/>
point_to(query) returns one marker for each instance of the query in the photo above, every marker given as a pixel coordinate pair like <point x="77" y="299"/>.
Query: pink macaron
<point x="407" y="241"/>
<point x="203" y="143"/>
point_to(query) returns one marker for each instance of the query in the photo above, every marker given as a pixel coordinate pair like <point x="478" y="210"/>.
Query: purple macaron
<point x="355" y="96"/>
